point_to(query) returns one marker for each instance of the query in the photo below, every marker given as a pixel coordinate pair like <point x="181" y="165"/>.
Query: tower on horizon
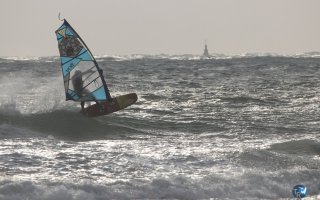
<point x="206" y="52"/>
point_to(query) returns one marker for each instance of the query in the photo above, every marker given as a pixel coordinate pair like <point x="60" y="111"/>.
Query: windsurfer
<point x="77" y="82"/>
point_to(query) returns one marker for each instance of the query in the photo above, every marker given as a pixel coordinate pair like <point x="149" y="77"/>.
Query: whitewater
<point x="227" y="127"/>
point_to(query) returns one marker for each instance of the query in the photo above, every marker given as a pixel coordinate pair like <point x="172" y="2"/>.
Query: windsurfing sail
<point x="83" y="78"/>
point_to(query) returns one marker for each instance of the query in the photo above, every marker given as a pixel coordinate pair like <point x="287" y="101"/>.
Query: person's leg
<point x="82" y="105"/>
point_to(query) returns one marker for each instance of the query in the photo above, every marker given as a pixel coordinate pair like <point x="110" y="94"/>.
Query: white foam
<point x="249" y="185"/>
<point x="21" y="58"/>
<point x="22" y="92"/>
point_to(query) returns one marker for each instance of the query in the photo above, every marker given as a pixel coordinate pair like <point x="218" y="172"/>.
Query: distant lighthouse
<point x="206" y="52"/>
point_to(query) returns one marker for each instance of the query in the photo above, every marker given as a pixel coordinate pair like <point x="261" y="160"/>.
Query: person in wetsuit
<point x="77" y="82"/>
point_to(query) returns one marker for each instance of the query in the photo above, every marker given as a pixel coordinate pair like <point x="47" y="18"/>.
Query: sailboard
<point x="83" y="78"/>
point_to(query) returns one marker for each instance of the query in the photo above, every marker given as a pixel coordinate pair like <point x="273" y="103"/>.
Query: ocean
<point x="227" y="127"/>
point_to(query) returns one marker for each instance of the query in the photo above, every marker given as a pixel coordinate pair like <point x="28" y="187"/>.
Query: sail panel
<point x="71" y="95"/>
<point x="69" y="65"/>
<point x="99" y="93"/>
<point x="85" y="56"/>
<point x="83" y="79"/>
<point x="69" y="32"/>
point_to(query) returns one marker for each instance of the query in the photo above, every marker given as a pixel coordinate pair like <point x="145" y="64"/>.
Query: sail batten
<point x="83" y="78"/>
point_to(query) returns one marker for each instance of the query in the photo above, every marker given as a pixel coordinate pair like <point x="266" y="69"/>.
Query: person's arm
<point x="88" y="71"/>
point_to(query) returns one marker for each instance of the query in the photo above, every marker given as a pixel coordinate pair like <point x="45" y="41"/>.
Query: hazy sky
<point x="162" y="26"/>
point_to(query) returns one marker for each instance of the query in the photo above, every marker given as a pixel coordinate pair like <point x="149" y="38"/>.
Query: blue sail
<point x="83" y="79"/>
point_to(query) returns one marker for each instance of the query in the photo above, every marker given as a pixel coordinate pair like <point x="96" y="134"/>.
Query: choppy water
<point x="242" y="127"/>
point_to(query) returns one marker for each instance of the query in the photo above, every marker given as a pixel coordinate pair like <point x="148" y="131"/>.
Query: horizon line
<point x="212" y="55"/>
